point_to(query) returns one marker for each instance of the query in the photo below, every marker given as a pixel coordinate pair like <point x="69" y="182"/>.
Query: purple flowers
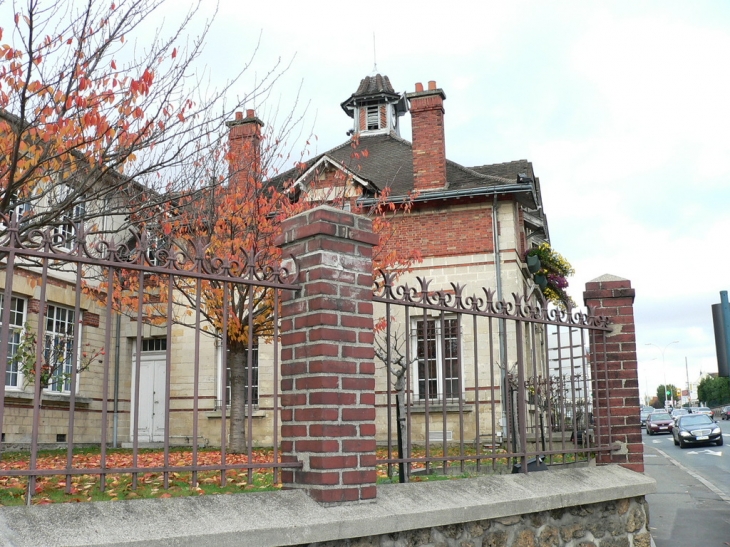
<point x="558" y="280"/>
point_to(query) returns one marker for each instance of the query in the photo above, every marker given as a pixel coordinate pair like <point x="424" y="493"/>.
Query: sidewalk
<point x="683" y="511"/>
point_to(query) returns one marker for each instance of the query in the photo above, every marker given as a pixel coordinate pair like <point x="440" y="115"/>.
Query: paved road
<point x="692" y="503"/>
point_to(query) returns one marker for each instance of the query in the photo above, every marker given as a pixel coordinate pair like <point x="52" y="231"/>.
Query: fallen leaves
<point x="150" y="484"/>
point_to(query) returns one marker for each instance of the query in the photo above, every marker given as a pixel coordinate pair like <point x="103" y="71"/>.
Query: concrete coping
<point x="272" y="519"/>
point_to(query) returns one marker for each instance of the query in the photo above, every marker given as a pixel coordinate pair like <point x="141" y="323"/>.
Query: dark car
<point x="644" y="415"/>
<point x="695" y="429"/>
<point x="659" y="422"/>
<point x="726" y="413"/>
<point x="677" y="412"/>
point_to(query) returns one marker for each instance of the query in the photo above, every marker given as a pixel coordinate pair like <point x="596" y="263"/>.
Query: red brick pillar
<point x="615" y="372"/>
<point x="327" y="357"/>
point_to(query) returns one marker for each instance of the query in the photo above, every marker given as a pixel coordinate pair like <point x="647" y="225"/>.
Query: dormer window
<point x="373" y="117"/>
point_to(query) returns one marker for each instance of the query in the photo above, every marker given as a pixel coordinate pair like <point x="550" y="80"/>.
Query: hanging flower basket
<point x="549" y="272"/>
<point x="541" y="281"/>
<point x="533" y="263"/>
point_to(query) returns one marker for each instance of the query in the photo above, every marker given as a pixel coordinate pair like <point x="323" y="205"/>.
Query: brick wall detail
<point x="362" y="118"/>
<point x="614" y="367"/>
<point x="327" y="357"/>
<point x="429" y="142"/>
<point x="34" y="305"/>
<point x="90" y="319"/>
<point x="443" y="231"/>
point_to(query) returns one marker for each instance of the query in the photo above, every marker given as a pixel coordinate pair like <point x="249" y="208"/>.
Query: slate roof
<point x="510" y="170"/>
<point x="386" y="160"/>
<point x="373" y="85"/>
<point x="507" y="170"/>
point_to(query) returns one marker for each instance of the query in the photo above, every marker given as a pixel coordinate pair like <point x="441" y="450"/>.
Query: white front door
<point x="151" y="427"/>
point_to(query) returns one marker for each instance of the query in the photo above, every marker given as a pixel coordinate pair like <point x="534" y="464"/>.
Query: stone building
<point x="469" y="225"/>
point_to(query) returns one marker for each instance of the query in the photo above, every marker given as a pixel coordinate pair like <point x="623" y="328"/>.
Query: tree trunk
<point x="237" y="362"/>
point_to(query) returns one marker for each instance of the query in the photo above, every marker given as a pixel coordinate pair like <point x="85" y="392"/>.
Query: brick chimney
<point x="429" y="146"/>
<point x="244" y="141"/>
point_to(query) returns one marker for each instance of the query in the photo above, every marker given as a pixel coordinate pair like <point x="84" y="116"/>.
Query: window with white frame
<point x="18" y="211"/>
<point x="154" y="344"/>
<point x="155" y="244"/>
<point x="60" y="337"/>
<point x="13" y="377"/>
<point x="437" y="352"/>
<point x="254" y="378"/>
<point x="65" y="232"/>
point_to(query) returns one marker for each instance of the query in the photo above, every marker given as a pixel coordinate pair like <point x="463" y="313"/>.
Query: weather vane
<point x="375" y="58"/>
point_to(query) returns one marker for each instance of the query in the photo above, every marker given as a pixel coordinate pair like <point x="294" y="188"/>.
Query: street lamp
<point x="663" y="349"/>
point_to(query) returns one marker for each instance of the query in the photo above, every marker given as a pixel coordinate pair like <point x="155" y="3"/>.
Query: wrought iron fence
<point x="474" y="383"/>
<point x="142" y="361"/>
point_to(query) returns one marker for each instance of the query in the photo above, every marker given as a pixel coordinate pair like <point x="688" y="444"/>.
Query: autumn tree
<point x="125" y="137"/>
<point x="97" y="119"/>
<point x="237" y="221"/>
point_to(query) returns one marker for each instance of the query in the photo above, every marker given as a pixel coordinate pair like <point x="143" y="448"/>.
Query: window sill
<point x="216" y="414"/>
<point x="420" y="407"/>
<point x="48" y="399"/>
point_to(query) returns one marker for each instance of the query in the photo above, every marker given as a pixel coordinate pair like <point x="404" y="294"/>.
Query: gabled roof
<point x="324" y="162"/>
<point x="386" y="161"/>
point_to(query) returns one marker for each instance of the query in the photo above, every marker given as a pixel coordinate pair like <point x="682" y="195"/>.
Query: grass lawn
<point x="119" y="486"/>
<point x="86" y="487"/>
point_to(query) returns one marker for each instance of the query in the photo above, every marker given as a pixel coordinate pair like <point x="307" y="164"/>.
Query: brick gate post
<point x="327" y="357"/>
<point x="615" y="372"/>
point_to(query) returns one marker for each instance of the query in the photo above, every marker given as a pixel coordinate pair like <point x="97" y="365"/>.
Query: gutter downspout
<point x="502" y="323"/>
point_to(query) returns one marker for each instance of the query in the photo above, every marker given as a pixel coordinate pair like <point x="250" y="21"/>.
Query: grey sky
<point x="622" y="107"/>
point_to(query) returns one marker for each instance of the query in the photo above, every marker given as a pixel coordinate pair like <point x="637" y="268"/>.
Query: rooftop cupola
<point x="375" y="106"/>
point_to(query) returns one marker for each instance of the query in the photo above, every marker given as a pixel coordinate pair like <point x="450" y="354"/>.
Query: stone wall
<point x="620" y="523"/>
<point x="582" y="507"/>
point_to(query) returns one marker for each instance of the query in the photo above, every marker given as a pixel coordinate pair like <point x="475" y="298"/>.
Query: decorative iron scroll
<point x="189" y="257"/>
<point x="533" y="309"/>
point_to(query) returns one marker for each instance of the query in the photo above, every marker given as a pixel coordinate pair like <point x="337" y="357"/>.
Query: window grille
<point x="154" y="344"/>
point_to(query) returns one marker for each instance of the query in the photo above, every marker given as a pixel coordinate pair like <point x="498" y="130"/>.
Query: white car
<point x="702" y="410"/>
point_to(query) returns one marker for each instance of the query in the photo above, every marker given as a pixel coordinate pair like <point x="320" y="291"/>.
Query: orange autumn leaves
<point x="80" y="107"/>
<point x="150" y="483"/>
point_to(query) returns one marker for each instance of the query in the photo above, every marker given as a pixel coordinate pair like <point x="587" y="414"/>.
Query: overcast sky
<point x="621" y="106"/>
